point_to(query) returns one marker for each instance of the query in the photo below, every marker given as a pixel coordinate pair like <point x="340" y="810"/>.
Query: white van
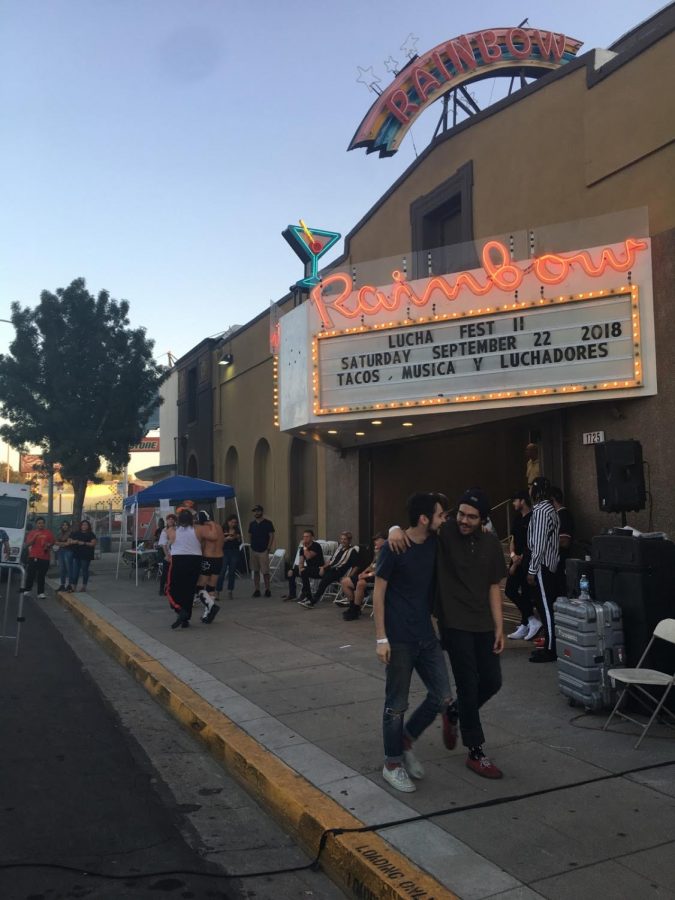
<point x="14" y="500"/>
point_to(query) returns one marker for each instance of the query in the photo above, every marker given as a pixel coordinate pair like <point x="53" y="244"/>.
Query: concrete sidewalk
<point x="307" y="687"/>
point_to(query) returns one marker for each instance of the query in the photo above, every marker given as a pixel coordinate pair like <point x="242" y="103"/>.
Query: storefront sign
<point x="573" y="344"/>
<point x="463" y="59"/>
<point x="147" y="445"/>
<point x="30" y="463"/>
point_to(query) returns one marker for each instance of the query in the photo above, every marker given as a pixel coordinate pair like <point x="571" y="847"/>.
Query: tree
<point x="77" y="382"/>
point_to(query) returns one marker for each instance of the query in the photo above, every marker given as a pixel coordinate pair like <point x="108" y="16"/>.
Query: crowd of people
<point x="74" y="548"/>
<point x="436" y="586"/>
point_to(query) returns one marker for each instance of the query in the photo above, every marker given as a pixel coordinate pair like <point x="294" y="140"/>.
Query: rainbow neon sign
<point x="469" y="57"/>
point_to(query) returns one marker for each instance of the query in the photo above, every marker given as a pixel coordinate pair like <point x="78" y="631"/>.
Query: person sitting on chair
<point x="343" y="562"/>
<point x="309" y="559"/>
<point x="356" y="587"/>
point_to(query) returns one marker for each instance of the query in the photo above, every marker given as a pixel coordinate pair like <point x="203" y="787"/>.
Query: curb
<point x="363" y="865"/>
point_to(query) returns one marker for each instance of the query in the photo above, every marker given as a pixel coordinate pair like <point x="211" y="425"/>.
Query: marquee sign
<point x="459" y="61"/>
<point x="574" y="344"/>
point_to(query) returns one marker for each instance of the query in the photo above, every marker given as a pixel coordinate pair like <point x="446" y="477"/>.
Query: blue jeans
<point x="229" y="569"/>
<point x="79" y="565"/>
<point x="65" y="559"/>
<point x="425" y="658"/>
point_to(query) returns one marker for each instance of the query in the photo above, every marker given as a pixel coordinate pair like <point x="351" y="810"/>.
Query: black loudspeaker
<point x="621" y="477"/>
<point x="639" y="574"/>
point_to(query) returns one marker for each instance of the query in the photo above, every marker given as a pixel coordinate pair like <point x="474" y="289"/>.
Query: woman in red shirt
<point x="39" y="542"/>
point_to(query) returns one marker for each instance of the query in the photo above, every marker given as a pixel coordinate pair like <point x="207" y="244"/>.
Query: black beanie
<point x="476" y="498"/>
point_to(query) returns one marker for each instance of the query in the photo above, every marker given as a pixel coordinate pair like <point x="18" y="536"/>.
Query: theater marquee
<point x="551" y="329"/>
<point x="564" y="346"/>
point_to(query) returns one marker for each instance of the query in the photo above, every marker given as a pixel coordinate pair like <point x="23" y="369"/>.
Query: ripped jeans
<point x="426" y="658"/>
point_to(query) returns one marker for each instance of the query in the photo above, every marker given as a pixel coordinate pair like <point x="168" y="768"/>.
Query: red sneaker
<point x="449" y="731"/>
<point x="484" y="767"/>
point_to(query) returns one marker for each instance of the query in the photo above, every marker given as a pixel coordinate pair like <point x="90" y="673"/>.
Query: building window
<point x="192" y="395"/>
<point x="442" y="227"/>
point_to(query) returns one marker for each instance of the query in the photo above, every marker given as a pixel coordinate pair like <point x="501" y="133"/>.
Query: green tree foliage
<point x="78" y="382"/>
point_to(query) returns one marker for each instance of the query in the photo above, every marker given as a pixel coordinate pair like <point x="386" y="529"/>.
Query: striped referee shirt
<point x="543" y="537"/>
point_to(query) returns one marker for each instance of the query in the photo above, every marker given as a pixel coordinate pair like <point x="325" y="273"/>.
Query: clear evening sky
<point x="159" y="147"/>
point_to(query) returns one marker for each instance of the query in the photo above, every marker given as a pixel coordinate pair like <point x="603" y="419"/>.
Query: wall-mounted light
<point x="226" y="359"/>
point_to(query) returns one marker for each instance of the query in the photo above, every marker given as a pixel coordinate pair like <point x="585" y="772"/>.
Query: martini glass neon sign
<point x="310" y="245"/>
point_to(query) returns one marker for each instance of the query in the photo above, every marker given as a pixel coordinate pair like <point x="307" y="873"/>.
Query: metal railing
<point x="10" y="567"/>
<point x="506" y="505"/>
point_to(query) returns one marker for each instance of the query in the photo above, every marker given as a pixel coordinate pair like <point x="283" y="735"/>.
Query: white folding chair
<point x="277" y="572"/>
<point x="635" y="681"/>
<point x="333" y="591"/>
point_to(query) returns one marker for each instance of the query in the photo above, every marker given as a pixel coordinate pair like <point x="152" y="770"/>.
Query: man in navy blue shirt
<point x="406" y="640"/>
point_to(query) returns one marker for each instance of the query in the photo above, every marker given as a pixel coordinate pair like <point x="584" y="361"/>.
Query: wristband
<point x="381" y="640"/>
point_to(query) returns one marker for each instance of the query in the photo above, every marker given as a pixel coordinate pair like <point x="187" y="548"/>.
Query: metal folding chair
<point x="639" y="678"/>
<point x="277" y="572"/>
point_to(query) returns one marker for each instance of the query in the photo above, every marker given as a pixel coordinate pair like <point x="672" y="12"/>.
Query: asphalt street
<point x="86" y="811"/>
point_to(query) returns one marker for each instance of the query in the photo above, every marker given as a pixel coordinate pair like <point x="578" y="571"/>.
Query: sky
<point x="159" y="147"/>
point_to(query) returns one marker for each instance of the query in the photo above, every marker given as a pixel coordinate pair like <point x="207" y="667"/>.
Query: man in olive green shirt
<point x="469" y="566"/>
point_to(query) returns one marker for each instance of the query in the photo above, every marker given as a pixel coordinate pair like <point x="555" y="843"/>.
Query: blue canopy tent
<point x="174" y="489"/>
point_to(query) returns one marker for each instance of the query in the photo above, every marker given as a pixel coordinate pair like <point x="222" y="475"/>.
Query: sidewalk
<point x="307" y="687"/>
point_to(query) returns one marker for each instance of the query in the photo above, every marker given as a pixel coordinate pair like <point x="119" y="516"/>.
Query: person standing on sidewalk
<point x="184" y="568"/>
<point x="261" y="538"/>
<point x="39" y="542"/>
<point x="164" y="551"/>
<point x="211" y="536"/>
<point x="64" y="555"/>
<point x="406" y="640"/>
<point x="82" y="543"/>
<point x="517" y="590"/>
<point x="231" y="550"/>
<point x="543" y="541"/>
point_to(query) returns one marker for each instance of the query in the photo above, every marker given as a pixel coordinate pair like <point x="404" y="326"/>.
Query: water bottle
<point x="584" y="588"/>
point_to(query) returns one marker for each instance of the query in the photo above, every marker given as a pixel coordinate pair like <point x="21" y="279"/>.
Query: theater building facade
<point x="515" y="285"/>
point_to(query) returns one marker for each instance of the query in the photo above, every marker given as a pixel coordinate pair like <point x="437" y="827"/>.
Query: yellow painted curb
<point x="364" y="865"/>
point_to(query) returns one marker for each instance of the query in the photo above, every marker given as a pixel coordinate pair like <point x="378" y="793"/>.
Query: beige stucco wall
<point x="243" y="416"/>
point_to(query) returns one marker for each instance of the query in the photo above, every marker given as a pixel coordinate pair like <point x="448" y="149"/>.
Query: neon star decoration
<point x="310" y="244"/>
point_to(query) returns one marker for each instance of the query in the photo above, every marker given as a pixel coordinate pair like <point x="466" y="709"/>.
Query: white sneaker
<point x="534" y="626"/>
<point x="398" y="779"/>
<point x="413" y="766"/>
<point x="519" y="633"/>
<point x="42" y="596"/>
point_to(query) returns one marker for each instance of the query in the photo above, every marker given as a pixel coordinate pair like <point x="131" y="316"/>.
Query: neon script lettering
<point x="497" y="272"/>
